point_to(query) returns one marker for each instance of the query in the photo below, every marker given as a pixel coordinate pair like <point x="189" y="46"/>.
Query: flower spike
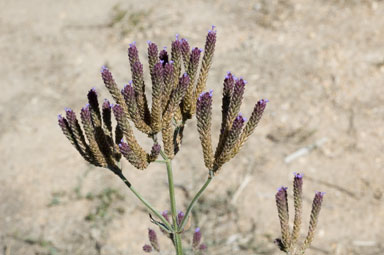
<point x="289" y="242"/>
<point x="282" y="208"/>
<point x="204" y="116"/>
<point x="209" y="50"/>
<point x="298" y="202"/>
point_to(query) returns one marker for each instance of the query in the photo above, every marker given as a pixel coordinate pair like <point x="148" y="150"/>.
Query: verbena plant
<point x="178" y="80"/>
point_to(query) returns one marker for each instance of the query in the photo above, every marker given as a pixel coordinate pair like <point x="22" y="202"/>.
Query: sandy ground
<point x="320" y="63"/>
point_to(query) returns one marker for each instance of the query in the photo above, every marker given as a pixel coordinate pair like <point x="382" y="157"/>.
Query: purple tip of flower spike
<point x="240" y="82"/>
<point x="201" y="50"/>
<point x="59" y="117"/>
<point x="298" y="175"/>
<point x="319" y="193"/>
<point x="128" y="85"/>
<point x="183" y="40"/>
<point x="124" y="146"/>
<point x="106" y="104"/>
<point x="197" y="230"/>
<point x="177" y="37"/>
<point x="133" y="44"/>
<point x="93" y="89"/>
<point x="282" y="188"/>
<point x="240" y="118"/>
<point x="66" y="109"/>
<point x="212" y="29"/>
<point x="103" y="69"/>
<point x="203" y="94"/>
<point x="149" y="42"/>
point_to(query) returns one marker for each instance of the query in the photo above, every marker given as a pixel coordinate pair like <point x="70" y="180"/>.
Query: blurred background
<point x="320" y="63"/>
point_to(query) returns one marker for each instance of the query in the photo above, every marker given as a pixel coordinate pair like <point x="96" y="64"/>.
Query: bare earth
<point x="320" y="63"/>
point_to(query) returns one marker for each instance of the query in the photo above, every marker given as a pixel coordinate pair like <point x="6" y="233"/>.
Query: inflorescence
<point x="289" y="240"/>
<point x="234" y="127"/>
<point x="178" y="80"/>
<point x="174" y="95"/>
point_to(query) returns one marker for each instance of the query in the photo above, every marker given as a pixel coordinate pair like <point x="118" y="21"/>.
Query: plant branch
<point x="119" y="173"/>
<point x="194" y="200"/>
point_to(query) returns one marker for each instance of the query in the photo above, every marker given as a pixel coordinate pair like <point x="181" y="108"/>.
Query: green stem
<point x="176" y="235"/>
<point x="178" y="244"/>
<point x="119" y="173"/>
<point x="161" y="161"/>
<point x="194" y="200"/>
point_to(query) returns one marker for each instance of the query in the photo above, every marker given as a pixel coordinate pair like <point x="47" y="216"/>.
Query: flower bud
<point x="196" y="238"/>
<point x="153" y="239"/>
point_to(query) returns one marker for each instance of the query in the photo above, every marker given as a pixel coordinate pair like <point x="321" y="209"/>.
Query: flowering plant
<point x="178" y="80"/>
